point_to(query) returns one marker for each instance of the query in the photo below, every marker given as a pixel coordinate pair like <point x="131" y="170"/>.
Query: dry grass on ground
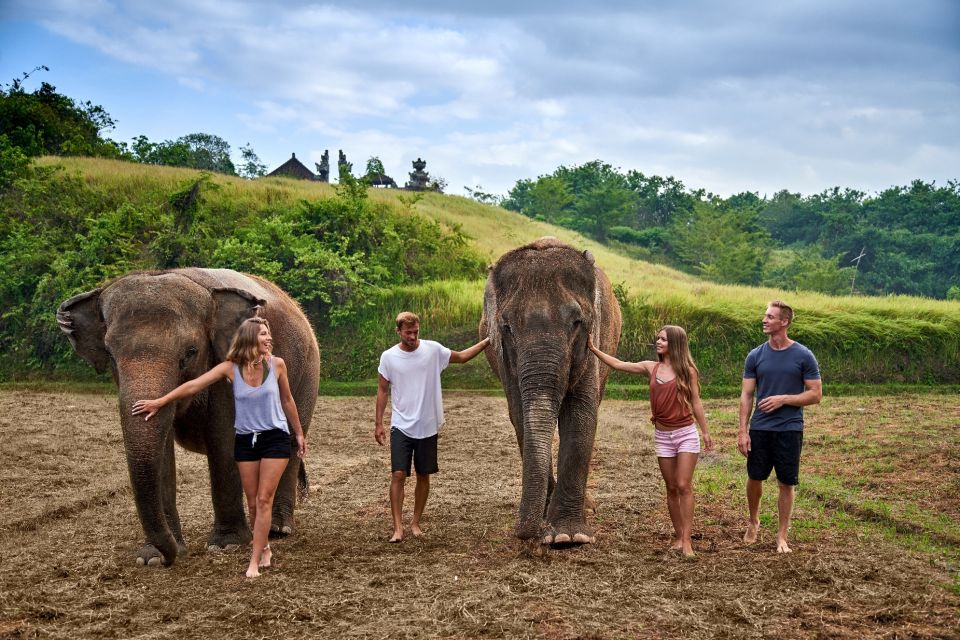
<point x="69" y="530"/>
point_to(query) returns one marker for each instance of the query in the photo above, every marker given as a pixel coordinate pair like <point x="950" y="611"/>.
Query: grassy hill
<point x="894" y="339"/>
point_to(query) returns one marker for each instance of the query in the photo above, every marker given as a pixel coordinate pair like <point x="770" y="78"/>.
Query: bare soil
<point x="69" y="530"/>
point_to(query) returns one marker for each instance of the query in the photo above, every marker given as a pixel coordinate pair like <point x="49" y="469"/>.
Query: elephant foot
<point x="529" y="530"/>
<point x="282" y="524"/>
<point x="149" y="556"/>
<point x="572" y="535"/>
<point x="224" y="538"/>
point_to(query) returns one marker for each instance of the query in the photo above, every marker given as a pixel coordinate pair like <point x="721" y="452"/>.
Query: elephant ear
<point x="230" y="308"/>
<point x="79" y="317"/>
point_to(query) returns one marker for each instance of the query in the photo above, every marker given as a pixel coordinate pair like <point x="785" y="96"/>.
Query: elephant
<point x="157" y="329"/>
<point x="541" y="302"/>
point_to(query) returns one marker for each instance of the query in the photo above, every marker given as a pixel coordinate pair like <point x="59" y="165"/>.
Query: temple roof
<point x="293" y="168"/>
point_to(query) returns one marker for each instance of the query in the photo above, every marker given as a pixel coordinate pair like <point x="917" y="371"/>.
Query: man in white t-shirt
<point x="410" y="374"/>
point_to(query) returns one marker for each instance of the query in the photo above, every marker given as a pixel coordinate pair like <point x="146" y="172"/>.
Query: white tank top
<point x="258" y="408"/>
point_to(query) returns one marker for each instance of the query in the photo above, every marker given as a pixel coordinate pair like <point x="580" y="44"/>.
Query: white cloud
<point x="731" y="96"/>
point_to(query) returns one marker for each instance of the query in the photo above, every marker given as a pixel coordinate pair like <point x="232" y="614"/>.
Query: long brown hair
<point x="244" y="348"/>
<point x="678" y="354"/>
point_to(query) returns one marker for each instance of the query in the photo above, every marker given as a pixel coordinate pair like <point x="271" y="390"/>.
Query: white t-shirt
<point x="414" y="378"/>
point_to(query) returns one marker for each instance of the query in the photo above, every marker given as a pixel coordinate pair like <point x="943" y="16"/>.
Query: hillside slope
<point x="857" y="339"/>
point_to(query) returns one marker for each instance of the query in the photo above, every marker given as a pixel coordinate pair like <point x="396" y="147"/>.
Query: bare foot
<point x="265" y="557"/>
<point x="750" y="535"/>
<point x="782" y="546"/>
<point x="416" y="530"/>
<point x="252" y="571"/>
<point x="396" y="537"/>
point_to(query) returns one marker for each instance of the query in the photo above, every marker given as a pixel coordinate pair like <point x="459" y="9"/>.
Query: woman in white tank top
<point x="265" y="416"/>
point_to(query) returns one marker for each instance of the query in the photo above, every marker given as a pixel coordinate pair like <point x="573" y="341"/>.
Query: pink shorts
<point x="668" y="444"/>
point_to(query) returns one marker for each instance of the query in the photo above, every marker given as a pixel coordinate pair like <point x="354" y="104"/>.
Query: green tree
<point x="723" y="246"/>
<point x="374" y="167"/>
<point x="550" y="199"/>
<point x="251" y="166"/>
<point x="47" y="122"/>
<point x="601" y="207"/>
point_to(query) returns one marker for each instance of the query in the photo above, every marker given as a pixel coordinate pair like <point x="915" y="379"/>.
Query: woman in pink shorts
<point x="677" y="411"/>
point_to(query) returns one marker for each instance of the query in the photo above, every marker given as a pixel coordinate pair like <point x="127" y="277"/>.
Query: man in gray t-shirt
<point x="783" y="376"/>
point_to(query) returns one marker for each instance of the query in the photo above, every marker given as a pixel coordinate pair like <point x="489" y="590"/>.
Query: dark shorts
<point x="250" y="447"/>
<point x="778" y="450"/>
<point x="422" y="451"/>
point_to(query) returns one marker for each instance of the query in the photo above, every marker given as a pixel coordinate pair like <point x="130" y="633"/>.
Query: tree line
<point x="46" y="122"/>
<point x="903" y="240"/>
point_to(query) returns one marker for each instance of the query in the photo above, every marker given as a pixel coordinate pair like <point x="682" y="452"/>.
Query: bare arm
<point x="187" y="389"/>
<point x="289" y="406"/>
<point x="644" y="367"/>
<point x="747" y="389"/>
<point x="700" y="415"/>
<point x="383" y="390"/>
<point x="459" y="357"/>
<point x="812" y="394"/>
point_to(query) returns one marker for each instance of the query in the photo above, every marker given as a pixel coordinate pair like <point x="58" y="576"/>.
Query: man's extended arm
<point x="459" y="357"/>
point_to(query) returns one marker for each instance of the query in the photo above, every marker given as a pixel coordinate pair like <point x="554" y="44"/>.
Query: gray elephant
<point x="156" y="330"/>
<point x="541" y="302"/>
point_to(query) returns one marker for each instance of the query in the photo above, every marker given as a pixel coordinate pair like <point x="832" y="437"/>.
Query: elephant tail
<point x="303" y="484"/>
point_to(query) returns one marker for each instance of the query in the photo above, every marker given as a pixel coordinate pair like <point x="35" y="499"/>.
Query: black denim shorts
<point x="421" y="451"/>
<point x="250" y="447"/>
<point x="778" y="450"/>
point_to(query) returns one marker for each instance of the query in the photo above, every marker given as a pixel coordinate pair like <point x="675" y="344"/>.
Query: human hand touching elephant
<point x="148" y="407"/>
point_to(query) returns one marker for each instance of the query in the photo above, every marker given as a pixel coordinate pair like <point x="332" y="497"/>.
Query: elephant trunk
<point x="149" y="451"/>
<point x="541" y="373"/>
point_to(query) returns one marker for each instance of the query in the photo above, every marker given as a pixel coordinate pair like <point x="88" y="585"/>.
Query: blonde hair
<point x="244" y="348"/>
<point x="678" y="355"/>
<point x="407" y="319"/>
<point x="786" y="311"/>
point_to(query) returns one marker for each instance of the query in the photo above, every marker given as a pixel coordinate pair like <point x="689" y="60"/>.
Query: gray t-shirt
<point x="780" y="373"/>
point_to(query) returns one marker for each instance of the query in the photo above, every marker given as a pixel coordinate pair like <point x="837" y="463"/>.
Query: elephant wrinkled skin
<point x="541" y="302"/>
<point x="156" y="330"/>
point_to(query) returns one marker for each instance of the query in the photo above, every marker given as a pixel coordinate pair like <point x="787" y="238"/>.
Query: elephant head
<point x="155" y="331"/>
<point x="541" y="303"/>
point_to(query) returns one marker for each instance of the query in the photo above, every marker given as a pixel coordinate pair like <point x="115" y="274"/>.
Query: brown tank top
<point x="668" y="411"/>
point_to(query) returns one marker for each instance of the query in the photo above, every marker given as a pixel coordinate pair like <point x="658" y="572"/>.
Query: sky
<point x="726" y="96"/>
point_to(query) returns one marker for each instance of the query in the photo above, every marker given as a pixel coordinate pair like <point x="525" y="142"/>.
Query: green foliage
<point x="910" y="235"/>
<point x="804" y="269"/>
<point x="14" y="163"/>
<point x="252" y="167"/>
<point x="45" y="122"/>
<point x="723" y="245"/>
<point x="60" y="235"/>
<point x="202" y="151"/>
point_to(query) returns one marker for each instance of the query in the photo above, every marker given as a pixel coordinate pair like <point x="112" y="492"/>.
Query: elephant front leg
<point x="168" y="495"/>
<point x="230" y="527"/>
<point x="285" y="500"/>
<point x="566" y="516"/>
<point x="150" y="554"/>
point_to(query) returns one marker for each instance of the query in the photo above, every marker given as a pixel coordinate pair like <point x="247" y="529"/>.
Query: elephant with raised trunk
<point x="156" y="330"/>
<point x="541" y="302"/>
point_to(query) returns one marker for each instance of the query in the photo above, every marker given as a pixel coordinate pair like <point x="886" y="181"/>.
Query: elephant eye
<point x="505" y="328"/>
<point x="191" y="351"/>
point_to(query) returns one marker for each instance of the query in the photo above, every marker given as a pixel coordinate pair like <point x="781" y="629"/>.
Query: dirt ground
<point x="69" y="531"/>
